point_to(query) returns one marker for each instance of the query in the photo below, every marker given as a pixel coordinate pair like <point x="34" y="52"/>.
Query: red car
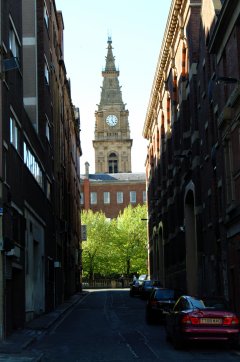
<point x="201" y="320"/>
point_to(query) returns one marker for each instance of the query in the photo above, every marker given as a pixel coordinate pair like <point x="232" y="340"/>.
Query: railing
<point x="99" y="283"/>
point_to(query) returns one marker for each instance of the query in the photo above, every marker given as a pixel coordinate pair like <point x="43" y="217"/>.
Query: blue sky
<point x="136" y="28"/>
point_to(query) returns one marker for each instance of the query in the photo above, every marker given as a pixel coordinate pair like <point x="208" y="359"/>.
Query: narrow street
<point x="109" y="326"/>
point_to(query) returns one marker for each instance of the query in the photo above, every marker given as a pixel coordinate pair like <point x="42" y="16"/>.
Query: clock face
<point x="111" y="120"/>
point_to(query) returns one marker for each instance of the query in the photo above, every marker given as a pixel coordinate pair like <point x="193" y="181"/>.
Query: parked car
<point x="142" y="277"/>
<point x="194" y="319"/>
<point x="136" y="285"/>
<point x="160" y="301"/>
<point x="147" y="286"/>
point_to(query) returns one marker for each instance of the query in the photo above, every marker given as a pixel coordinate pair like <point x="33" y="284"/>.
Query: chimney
<point x="87" y="169"/>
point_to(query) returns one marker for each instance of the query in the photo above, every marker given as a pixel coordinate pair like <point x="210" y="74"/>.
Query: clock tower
<point x="112" y="142"/>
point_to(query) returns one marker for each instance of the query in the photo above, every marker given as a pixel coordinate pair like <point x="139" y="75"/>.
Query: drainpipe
<point x="1" y="259"/>
<point x="1" y="195"/>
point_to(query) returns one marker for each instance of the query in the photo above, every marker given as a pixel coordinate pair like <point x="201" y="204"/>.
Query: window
<point x="93" y="198"/>
<point x="168" y="114"/>
<point x="14" y="133"/>
<point x="112" y="163"/>
<point x="46" y="16"/>
<point x="144" y="196"/>
<point x="47" y="129"/>
<point x="14" y="44"/>
<point x="133" y="197"/>
<point x="209" y="209"/>
<point x="46" y="73"/>
<point x="81" y="198"/>
<point x="184" y="56"/>
<point x="48" y="190"/>
<point x="5" y="177"/>
<point x="106" y="197"/>
<point x="229" y="171"/>
<point x="32" y="164"/>
<point x="120" y="197"/>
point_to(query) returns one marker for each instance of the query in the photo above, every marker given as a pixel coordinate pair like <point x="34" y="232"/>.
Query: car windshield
<point x="165" y="294"/>
<point x="142" y="277"/>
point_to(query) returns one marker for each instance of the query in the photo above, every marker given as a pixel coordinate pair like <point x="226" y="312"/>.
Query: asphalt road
<point x="109" y="326"/>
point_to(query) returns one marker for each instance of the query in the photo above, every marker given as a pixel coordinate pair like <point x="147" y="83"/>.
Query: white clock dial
<point x="112" y="120"/>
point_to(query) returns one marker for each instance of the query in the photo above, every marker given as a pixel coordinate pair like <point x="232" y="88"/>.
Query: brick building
<point x="39" y="167"/>
<point x="192" y="162"/>
<point x="111" y="193"/>
<point x="224" y="48"/>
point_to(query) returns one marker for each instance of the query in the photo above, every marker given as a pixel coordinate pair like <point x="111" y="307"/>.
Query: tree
<point x="132" y="239"/>
<point x="117" y="246"/>
<point x="98" y="245"/>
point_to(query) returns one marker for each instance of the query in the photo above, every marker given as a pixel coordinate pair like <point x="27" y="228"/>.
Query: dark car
<point x="161" y="300"/>
<point x="195" y="319"/>
<point x="147" y="286"/>
<point x="136" y="285"/>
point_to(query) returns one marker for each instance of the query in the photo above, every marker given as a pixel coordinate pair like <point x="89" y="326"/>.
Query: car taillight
<point x="153" y="302"/>
<point x="230" y="320"/>
<point x="190" y="320"/>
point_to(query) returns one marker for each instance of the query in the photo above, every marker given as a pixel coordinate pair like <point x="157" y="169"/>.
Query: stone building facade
<point x="192" y="168"/>
<point x="39" y="168"/>
<point x="113" y="186"/>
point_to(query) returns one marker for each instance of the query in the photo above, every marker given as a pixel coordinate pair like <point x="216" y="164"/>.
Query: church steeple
<point x="110" y="60"/>
<point x="112" y="141"/>
<point x="111" y="91"/>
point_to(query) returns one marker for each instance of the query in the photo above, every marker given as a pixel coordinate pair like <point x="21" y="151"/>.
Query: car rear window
<point x="148" y="282"/>
<point x="197" y="303"/>
<point x="165" y="293"/>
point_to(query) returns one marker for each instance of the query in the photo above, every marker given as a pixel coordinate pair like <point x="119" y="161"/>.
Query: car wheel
<point x="149" y="317"/>
<point x="167" y="336"/>
<point x="233" y="343"/>
<point x="177" y="343"/>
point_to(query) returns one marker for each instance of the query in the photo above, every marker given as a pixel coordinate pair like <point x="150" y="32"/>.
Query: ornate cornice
<point x="174" y="22"/>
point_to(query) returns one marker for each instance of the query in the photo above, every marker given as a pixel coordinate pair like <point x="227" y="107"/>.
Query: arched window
<point x="168" y="114"/>
<point x="184" y="61"/>
<point x="162" y="127"/>
<point x="158" y="141"/>
<point x="175" y="89"/>
<point x="112" y="163"/>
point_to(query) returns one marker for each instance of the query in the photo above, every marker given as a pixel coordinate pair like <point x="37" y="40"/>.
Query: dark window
<point x="112" y="163"/>
<point x="165" y="294"/>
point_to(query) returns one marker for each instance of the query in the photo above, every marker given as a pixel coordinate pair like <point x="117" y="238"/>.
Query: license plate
<point x="211" y="321"/>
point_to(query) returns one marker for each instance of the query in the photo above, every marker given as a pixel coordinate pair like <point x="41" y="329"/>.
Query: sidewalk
<point x="13" y="349"/>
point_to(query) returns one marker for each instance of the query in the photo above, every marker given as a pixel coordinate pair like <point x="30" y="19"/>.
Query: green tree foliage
<point x="98" y="245"/>
<point x="117" y="246"/>
<point x="132" y="239"/>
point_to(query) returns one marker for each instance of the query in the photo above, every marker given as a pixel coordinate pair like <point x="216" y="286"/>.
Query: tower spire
<point x="110" y="59"/>
<point x="111" y="91"/>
